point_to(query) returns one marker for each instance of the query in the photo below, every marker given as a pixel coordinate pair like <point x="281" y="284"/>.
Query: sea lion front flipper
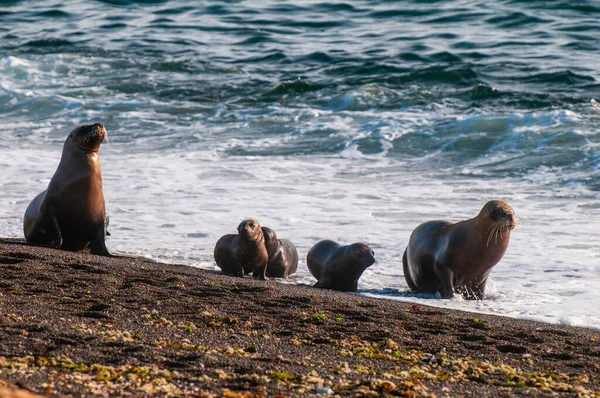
<point x="477" y="292"/>
<point x="98" y="245"/>
<point x="238" y="270"/>
<point x="445" y="278"/>
<point x="323" y="283"/>
<point x="261" y="273"/>
<point x="406" y="269"/>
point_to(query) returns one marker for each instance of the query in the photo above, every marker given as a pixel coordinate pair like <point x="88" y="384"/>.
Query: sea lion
<point x="339" y="267"/>
<point x="244" y="253"/>
<point x="457" y="258"/>
<point x="70" y="214"/>
<point x="283" y="256"/>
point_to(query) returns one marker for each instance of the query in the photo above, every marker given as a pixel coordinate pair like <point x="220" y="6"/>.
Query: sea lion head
<point x="250" y="230"/>
<point x="500" y="219"/>
<point x="270" y="237"/>
<point x="362" y="254"/>
<point x="88" y="137"/>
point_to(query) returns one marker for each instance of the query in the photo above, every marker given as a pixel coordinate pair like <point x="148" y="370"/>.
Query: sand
<point x="74" y="324"/>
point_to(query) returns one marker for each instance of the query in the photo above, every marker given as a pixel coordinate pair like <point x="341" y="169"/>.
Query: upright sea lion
<point x="339" y="267"/>
<point x="70" y="214"/>
<point x="283" y="256"/>
<point x="448" y="258"/>
<point x="244" y="253"/>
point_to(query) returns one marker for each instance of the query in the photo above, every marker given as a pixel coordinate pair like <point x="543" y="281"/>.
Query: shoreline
<point x="74" y="323"/>
<point x="396" y="296"/>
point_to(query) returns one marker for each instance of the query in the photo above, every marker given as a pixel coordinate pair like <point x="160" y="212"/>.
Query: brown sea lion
<point x="283" y="256"/>
<point x="457" y="258"/>
<point x="339" y="267"/>
<point x="243" y="253"/>
<point x="70" y="214"/>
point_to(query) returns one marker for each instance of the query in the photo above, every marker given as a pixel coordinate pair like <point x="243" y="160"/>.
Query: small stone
<point x="324" y="391"/>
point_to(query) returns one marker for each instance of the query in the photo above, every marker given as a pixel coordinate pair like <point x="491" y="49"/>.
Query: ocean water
<point x="352" y="121"/>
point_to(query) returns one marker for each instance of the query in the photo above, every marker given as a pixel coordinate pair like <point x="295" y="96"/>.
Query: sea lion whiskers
<point x="491" y="231"/>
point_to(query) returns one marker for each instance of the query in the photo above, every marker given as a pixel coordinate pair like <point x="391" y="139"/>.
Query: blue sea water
<point x="352" y="121"/>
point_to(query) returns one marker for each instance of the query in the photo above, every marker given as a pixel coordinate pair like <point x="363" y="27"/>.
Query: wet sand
<point x="73" y="324"/>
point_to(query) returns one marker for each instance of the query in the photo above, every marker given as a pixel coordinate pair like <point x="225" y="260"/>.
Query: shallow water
<point x="351" y="121"/>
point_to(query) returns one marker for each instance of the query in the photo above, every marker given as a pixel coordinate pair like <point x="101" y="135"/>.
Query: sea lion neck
<point x="73" y="153"/>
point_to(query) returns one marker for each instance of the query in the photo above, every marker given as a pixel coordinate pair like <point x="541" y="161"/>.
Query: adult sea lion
<point x="339" y="267"/>
<point x="243" y="253"/>
<point x="70" y="214"/>
<point x="448" y="258"/>
<point x="283" y="256"/>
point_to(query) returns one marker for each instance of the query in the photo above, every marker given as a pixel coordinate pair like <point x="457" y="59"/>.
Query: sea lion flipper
<point x="407" y="276"/>
<point x="46" y="232"/>
<point x="261" y="273"/>
<point x="324" y="283"/>
<point x="238" y="270"/>
<point x="445" y="278"/>
<point x="477" y="292"/>
<point x="98" y="245"/>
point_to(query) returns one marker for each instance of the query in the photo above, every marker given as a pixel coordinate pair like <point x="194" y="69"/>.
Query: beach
<point x="75" y="324"/>
<point x="352" y="121"/>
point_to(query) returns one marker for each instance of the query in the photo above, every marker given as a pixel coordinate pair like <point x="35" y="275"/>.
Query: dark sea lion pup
<point x="70" y="214"/>
<point x="244" y="253"/>
<point x="339" y="267"/>
<point x="448" y="258"/>
<point x="283" y="256"/>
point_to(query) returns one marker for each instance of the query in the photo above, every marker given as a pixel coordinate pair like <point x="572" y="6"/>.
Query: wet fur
<point x="70" y="214"/>
<point x="458" y="258"/>
<point x="283" y="256"/>
<point x="339" y="267"/>
<point x="243" y="253"/>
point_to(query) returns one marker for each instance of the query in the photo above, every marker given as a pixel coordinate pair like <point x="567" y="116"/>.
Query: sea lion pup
<point x="448" y="258"/>
<point x="283" y="256"/>
<point x="339" y="267"/>
<point x="244" y="253"/>
<point x="70" y="214"/>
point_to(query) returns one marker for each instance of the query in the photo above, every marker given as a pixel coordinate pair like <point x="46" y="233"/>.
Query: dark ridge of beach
<point x="74" y="324"/>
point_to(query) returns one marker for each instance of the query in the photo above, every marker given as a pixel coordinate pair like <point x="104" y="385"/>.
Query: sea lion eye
<point x="361" y="255"/>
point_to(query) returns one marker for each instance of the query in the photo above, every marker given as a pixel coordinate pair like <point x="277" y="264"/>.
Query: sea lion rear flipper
<point x="45" y="232"/>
